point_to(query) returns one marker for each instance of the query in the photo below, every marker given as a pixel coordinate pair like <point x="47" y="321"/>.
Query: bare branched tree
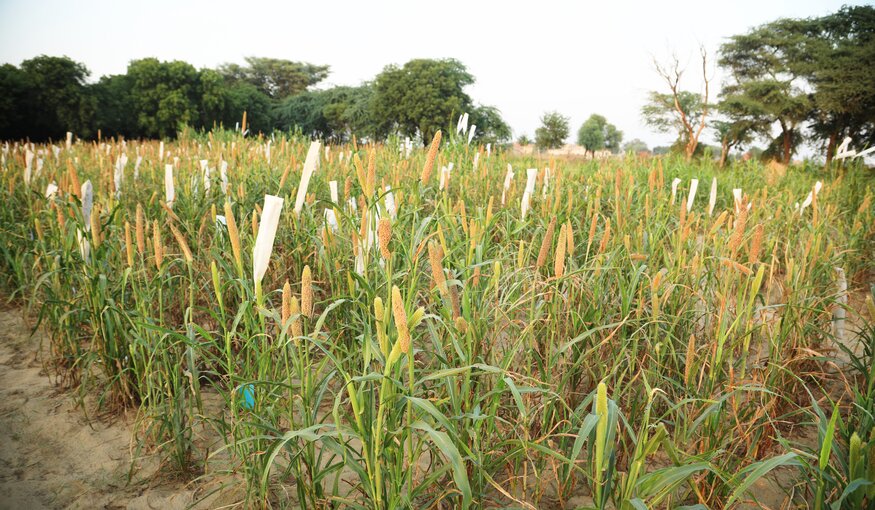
<point x="672" y="75"/>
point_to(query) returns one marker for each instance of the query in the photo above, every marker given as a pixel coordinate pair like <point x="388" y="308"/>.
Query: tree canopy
<point x="421" y="97"/>
<point x="635" y="146"/>
<point x="840" y="69"/>
<point x="46" y="96"/>
<point x="815" y="70"/>
<point x="553" y="131"/>
<point x="276" y="78"/>
<point x="166" y="95"/>
<point x="767" y="87"/>
<point x="334" y="113"/>
<point x="661" y="114"/>
<point x="491" y="127"/>
<point x="596" y="133"/>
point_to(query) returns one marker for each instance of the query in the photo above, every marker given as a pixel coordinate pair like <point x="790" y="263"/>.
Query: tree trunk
<point x="690" y="149"/>
<point x="724" y="151"/>
<point x="788" y="133"/>
<point x="830" y="148"/>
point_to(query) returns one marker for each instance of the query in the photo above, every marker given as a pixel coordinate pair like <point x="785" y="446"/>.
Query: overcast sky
<point x="577" y="58"/>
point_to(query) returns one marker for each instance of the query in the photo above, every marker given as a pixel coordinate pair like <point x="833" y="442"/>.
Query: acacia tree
<point x="690" y="110"/>
<point x="766" y="77"/>
<point x="837" y="48"/>
<point x="732" y="134"/>
<point x="553" y="131"/>
<point x="276" y="78"/>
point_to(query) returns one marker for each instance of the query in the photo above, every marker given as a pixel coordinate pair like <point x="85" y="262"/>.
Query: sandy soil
<point x="51" y="456"/>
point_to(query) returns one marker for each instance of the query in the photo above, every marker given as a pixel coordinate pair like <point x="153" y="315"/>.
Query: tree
<point x="420" y="97"/>
<point x="613" y="138"/>
<point x="553" y="131"/>
<point x="335" y="113"/>
<point x="635" y="146"/>
<point x="768" y="79"/>
<point x="166" y="95"/>
<point x="661" y="113"/>
<point x="57" y="99"/>
<point x="245" y="97"/>
<point x="837" y="48"/>
<point x="597" y="134"/>
<point x="660" y="150"/>
<point x="115" y="115"/>
<point x="777" y="149"/>
<point x="303" y="111"/>
<point x="276" y="78"/>
<point x="491" y="128"/>
<point x="212" y="96"/>
<point x="689" y="110"/>
<point x="732" y="134"/>
<point x="359" y="111"/>
<point x="13" y="96"/>
<point x="523" y="140"/>
<point x="591" y="135"/>
<point x="741" y="119"/>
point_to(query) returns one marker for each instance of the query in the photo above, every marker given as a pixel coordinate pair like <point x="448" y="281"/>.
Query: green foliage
<point x="596" y="134"/>
<point x="47" y="96"/>
<point x="745" y="118"/>
<point x="245" y="97"/>
<point x="169" y="94"/>
<point x="613" y="138"/>
<point x="335" y="113"/>
<point x="635" y="146"/>
<point x="591" y="135"/>
<point x="553" y="131"/>
<point x="777" y="148"/>
<point x="276" y="78"/>
<point x="733" y="134"/>
<point x="13" y="95"/>
<point x="660" y="113"/>
<point x="420" y="97"/>
<point x="491" y="128"/>
<point x="55" y="99"/>
<point x="768" y="88"/>
<point x="115" y="114"/>
<point x="838" y="66"/>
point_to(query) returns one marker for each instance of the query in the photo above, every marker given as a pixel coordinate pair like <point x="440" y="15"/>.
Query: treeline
<point x="789" y="81"/>
<point x="47" y="96"/>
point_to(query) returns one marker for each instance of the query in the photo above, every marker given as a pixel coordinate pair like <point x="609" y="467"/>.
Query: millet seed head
<point x="400" y="320"/>
<point x="306" y="292"/>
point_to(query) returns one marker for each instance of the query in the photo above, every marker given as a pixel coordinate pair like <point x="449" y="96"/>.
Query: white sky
<point x="577" y="58"/>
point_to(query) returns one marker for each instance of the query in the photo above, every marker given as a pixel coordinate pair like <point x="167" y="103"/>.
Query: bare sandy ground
<point x="51" y="456"/>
